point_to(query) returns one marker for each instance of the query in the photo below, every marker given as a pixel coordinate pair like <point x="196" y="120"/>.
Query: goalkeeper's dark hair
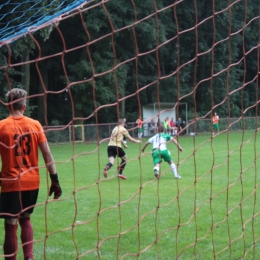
<point x="16" y="98"/>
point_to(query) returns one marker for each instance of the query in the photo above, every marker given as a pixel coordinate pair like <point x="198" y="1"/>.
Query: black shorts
<point x="16" y="203"/>
<point x="113" y="151"/>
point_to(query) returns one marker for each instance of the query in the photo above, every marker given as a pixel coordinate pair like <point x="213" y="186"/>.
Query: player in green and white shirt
<point x="160" y="151"/>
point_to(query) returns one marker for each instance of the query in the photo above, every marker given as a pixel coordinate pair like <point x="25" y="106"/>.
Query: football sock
<point x="156" y="169"/>
<point x="140" y="135"/>
<point x="122" y="166"/>
<point x="26" y="237"/>
<point x="109" y="165"/>
<point x="10" y="243"/>
<point x="174" y="169"/>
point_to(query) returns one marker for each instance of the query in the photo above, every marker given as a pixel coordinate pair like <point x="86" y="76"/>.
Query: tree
<point x="183" y="53"/>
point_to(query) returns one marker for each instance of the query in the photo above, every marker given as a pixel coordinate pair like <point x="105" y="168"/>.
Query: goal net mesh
<point x="100" y="58"/>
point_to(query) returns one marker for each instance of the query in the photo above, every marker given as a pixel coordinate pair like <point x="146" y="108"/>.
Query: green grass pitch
<point x="212" y="212"/>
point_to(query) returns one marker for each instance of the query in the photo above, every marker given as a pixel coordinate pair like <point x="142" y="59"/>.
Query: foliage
<point x="184" y="52"/>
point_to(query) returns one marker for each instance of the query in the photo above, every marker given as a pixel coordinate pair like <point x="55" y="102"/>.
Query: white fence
<point x="94" y="132"/>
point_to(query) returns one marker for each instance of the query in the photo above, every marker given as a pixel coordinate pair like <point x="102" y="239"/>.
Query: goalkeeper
<point x="160" y="151"/>
<point x="115" y="148"/>
<point x="20" y="137"/>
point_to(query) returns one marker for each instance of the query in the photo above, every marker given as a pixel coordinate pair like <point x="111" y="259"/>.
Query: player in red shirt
<point x="139" y="122"/>
<point x="20" y="137"/>
<point x="215" y="120"/>
<point x="173" y="127"/>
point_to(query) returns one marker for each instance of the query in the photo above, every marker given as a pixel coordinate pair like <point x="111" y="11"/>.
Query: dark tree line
<point x="192" y="51"/>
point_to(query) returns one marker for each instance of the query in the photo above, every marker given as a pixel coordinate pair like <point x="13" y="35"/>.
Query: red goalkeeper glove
<point x="55" y="186"/>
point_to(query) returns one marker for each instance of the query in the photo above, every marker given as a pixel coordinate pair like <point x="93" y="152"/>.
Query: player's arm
<point x="47" y="157"/>
<point x="177" y="144"/>
<point x="50" y="164"/>
<point x="134" y="140"/>
<point x="145" y="145"/>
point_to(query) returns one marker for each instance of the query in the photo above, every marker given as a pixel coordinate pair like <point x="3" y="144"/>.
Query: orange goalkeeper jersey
<point x="19" y="140"/>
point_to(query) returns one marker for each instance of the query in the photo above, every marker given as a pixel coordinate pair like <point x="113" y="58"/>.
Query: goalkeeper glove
<point x="55" y="186"/>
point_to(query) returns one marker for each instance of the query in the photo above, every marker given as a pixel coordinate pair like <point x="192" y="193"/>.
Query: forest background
<point x="182" y="37"/>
